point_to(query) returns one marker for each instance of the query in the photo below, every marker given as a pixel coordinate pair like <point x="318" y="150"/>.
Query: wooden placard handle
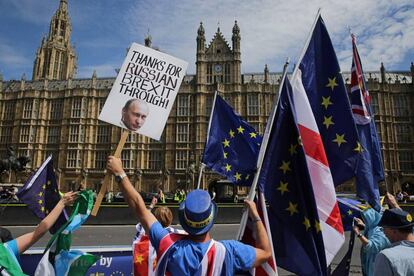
<point x="107" y="178"/>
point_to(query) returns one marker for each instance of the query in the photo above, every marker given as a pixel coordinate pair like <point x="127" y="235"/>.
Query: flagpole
<point x="269" y="233"/>
<point x="200" y="174"/>
<point x="260" y="158"/>
<point x="208" y="132"/>
<point x="318" y="14"/>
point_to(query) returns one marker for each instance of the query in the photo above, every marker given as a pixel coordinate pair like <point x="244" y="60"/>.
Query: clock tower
<point x="218" y="63"/>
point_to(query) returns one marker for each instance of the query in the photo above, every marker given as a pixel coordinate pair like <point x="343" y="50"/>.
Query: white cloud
<point x="273" y="30"/>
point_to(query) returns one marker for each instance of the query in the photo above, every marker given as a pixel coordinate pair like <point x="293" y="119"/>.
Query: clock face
<point x="217" y="68"/>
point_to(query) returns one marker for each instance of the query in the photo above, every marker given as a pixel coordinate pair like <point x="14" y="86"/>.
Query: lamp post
<point x="167" y="176"/>
<point x="85" y="177"/>
<point x="138" y="174"/>
<point x="192" y="168"/>
<point x="59" y="171"/>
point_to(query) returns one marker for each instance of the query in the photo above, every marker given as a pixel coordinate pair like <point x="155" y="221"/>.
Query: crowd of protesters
<point x="8" y="194"/>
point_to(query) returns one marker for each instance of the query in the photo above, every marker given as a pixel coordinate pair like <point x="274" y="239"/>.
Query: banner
<point x="144" y="91"/>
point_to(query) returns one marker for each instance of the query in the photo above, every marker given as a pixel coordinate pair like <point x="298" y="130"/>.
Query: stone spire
<point x="201" y="39"/>
<point x="236" y="37"/>
<point x="148" y="39"/>
<point x="56" y="58"/>
<point x="266" y="74"/>
<point x="201" y="66"/>
<point x="236" y="53"/>
<point x="412" y="72"/>
<point x="382" y="70"/>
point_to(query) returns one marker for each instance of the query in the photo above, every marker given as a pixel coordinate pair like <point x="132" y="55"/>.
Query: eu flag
<point x="285" y="180"/>
<point x="232" y="145"/>
<point x="40" y="193"/>
<point x="349" y="209"/>
<point x="324" y="86"/>
<point x="370" y="168"/>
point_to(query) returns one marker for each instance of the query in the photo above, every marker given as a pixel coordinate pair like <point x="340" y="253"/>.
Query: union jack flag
<point x="249" y="237"/>
<point x="359" y="93"/>
<point x="370" y="169"/>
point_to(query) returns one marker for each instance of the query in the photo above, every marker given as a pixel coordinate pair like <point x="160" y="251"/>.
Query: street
<point x="92" y="235"/>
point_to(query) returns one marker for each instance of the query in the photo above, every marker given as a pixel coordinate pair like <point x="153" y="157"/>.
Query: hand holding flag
<point x="40" y="193"/>
<point x="58" y="258"/>
<point x="250" y="237"/>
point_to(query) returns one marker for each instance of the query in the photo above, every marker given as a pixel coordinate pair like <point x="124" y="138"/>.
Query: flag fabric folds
<point x="249" y="237"/>
<point x="370" y="167"/>
<point x="41" y="194"/>
<point x="284" y="178"/>
<point x="350" y="209"/>
<point x="345" y="264"/>
<point x="58" y="258"/>
<point x="8" y="264"/>
<point x="327" y="94"/>
<point x="314" y="67"/>
<point x="143" y="254"/>
<point x="232" y="145"/>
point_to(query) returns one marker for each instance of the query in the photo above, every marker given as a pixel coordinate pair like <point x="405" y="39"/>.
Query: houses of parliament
<point x="56" y="114"/>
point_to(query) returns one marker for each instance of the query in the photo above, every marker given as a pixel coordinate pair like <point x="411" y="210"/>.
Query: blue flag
<point x="349" y="209"/>
<point x="285" y="180"/>
<point x="232" y="145"/>
<point x="324" y="86"/>
<point x="40" y="193"/>
<point x="370" y="168"/>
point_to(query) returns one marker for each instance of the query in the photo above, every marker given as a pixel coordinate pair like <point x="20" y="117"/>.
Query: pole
<point x="200" y="174"/>
<point x="208" y="132"/>
<point x="108" y="175"/>
<point x="318" y="14"/>
<point x="260" y="158"/>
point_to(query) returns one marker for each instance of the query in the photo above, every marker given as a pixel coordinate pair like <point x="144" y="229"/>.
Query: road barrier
<point x="19" y="214"/>
<point x="120" y="214"/>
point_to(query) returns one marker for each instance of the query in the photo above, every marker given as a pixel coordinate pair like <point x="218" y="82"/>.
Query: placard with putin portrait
<point x="144" y="91"/>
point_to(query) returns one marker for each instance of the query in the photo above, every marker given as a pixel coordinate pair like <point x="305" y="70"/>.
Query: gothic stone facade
<point x="56" y="114"/>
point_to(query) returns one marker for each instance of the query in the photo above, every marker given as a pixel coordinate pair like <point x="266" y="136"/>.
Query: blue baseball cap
<point x="197" y="212"/>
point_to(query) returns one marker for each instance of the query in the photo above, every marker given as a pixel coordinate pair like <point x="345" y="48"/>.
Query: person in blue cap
<point x="398" y="259"/>
<point x="196" y="253"/>
<point x="371" y="235"/>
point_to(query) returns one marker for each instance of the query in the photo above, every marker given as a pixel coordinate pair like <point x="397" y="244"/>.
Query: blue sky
<point x="102" y="30"/>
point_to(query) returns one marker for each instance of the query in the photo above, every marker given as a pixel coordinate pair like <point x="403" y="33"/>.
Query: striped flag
<point x="58" y="258"/>
<point x="249" y="237"/>
<point x="322" y="81"/>
<point x="285" y="179"/>
<point x="316" y="158"/>
<point x="143" y="254"/>
<point x="320" y="51"/>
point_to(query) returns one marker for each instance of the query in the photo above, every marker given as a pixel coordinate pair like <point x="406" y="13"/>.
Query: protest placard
<point x="144" y="91"/>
